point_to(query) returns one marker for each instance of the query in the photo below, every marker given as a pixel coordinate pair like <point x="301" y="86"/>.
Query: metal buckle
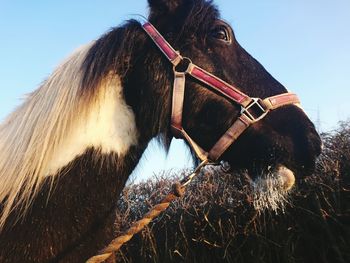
<point x="255" y="111"/>
<point x="183" y="66"/>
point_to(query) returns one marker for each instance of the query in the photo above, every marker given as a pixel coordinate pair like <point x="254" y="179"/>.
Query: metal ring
<point x="183" y="66"/>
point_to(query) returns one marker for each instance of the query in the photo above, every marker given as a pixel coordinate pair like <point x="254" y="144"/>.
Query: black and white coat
<point x="67" y="152"/>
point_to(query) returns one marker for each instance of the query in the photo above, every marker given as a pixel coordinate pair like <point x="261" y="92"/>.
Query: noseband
<point x="252" y="109"/>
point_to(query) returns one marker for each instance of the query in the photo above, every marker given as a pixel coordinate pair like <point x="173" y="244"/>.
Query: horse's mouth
<point x="282" y="174"/>
<point x="283" y="178"/>
<point x="286" y="177"/>
<point x="271" y="190"/>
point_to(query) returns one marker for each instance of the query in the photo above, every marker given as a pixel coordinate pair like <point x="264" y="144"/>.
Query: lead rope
<point x="178" y="190"/>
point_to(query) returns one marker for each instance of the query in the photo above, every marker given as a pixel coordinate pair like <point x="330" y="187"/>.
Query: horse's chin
<point x="271" y="189"/>
<point x="284" y="178"/>
<point x="270" y="185"/>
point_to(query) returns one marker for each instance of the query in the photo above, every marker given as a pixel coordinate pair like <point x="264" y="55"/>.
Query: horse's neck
<point x="74" y="212"/>
<point x="86" y="164"/>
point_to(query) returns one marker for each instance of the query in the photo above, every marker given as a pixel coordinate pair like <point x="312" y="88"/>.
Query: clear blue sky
<point x="305" y="44"/>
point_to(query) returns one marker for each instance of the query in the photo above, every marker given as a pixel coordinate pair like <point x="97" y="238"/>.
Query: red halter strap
<point x="252" y="109"/>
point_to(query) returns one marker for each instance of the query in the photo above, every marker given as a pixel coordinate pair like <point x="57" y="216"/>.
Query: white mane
<point x="54" y="125"/>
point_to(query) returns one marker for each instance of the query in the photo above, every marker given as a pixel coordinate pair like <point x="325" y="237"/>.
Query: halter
<point x="252" y="109"/>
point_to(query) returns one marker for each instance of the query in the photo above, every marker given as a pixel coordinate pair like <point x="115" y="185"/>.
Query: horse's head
<point x="286" y="136"/>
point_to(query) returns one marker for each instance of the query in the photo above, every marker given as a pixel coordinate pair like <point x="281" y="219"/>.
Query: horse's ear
<point x="162" y="7"/>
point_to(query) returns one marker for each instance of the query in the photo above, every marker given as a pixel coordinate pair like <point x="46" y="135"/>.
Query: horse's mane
<point x="31" y="135"/>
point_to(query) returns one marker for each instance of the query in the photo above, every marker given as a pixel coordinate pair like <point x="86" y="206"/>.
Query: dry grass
<point x="216" y="220"/>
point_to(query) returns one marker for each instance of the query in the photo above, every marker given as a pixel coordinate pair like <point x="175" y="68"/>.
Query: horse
<point x="68" y="150"/>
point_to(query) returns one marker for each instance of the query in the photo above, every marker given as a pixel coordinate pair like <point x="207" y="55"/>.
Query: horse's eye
<point x="221" y="33"/>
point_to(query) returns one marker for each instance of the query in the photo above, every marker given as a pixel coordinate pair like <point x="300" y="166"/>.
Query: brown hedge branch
<point x="216" y="220"/>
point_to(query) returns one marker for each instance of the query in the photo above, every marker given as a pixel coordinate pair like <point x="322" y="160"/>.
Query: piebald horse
<point x="68" y="150"/>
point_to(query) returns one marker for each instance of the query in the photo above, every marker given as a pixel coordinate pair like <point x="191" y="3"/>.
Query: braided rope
<point x="178" y="190"/>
